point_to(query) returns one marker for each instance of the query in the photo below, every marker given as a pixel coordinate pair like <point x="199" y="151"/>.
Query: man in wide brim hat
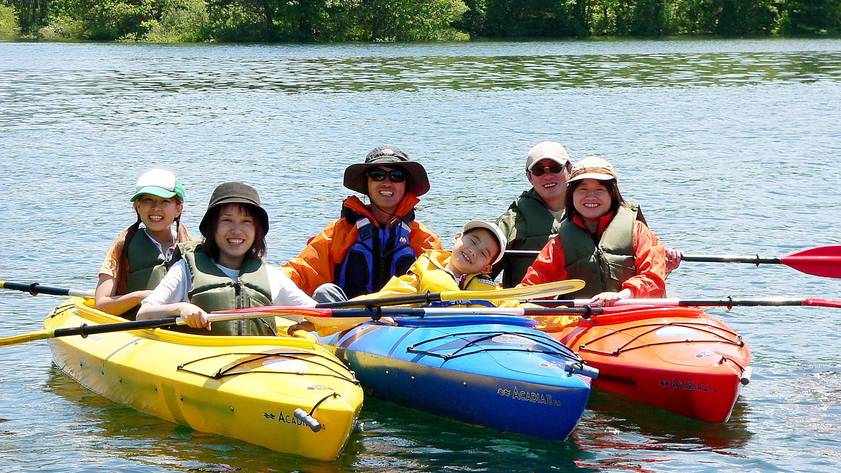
<point x="360" y="251"/>
<point x="392" y="157"/>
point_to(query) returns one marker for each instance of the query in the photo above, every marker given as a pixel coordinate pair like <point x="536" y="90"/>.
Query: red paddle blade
<point x="824" y="261"/>
<point x="822" y="302"/>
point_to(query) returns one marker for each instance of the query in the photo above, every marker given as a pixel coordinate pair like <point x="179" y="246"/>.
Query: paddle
<point x="36" y="289"/>
<point x="824" y="261"/>
<point x="85" y="330"/>
<point x="351" y="316"/>
<point x="525" y="292"/>
<point x="728" y="302"/>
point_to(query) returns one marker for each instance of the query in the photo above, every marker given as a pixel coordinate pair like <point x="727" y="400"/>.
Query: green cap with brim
<point x="160" y="183"/>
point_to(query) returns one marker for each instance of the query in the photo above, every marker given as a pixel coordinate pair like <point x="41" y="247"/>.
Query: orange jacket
<point x="317" y="262"/>
<point x="649" y="260"/>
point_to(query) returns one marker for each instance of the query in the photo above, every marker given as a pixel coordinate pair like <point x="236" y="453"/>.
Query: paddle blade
<point x="27" y="337"/>
<point x="822" y="302"/>
<point x="526" y="292"/>
<point x="824" y="261"/>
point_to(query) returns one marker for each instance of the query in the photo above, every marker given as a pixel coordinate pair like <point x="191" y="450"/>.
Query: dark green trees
<point x="408" y="20"/>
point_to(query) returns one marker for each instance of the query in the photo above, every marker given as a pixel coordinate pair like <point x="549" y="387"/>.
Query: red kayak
<point x="675" y="358"/>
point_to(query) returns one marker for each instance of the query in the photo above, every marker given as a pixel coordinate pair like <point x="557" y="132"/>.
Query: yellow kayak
<point x="286" y="394"/>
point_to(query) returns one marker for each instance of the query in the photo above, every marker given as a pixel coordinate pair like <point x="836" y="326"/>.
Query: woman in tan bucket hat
<point x="226" y="270"/>
<point x="601" y="241"/>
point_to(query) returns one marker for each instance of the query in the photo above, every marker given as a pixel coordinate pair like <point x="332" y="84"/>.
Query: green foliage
<point x="404" y="20"/>
<point x="726" y="17"/>
<point x="541" y="18"/>
<point x="407" y="20"/>
<point x="31" y="14"/>
<point x="241" y="21"/>
<point x="101" y="19"/>
<point x="182" y="21"/>
<point x="473" y="20"/>
<point x="811" y="17"/>
<point x="8" y="22"/>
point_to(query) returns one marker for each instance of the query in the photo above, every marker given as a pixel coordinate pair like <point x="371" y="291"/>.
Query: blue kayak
<point x="494" y="371"/>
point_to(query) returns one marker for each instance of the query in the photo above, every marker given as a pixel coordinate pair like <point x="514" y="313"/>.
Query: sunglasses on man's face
<point x="394" y="175"/>
<point x="552" y="168"/>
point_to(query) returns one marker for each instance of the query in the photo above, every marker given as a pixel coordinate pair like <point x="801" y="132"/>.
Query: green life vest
<point x="147" y="266"/>
<point x="532" y="230"/>
<point x="214" y="290"/>
<point x="603" y="267"/>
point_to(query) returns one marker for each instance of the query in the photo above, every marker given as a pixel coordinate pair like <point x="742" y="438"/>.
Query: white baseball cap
<point x="547" y="150"/>
<point x="495" y="230"/>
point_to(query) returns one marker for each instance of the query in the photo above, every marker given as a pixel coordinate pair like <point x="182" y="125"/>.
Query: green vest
<point x="146" y="267"/>
<point x="530" y="229"/>
<point x="214" y="290"/>
<point x="146" y="264"/>
<point x="603" y="267"/>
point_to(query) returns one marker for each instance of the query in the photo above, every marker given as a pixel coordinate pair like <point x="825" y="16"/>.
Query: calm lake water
<point x="730" y="146"/>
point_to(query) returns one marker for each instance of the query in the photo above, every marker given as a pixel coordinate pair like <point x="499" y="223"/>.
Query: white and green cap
<point x="160" y="183"/>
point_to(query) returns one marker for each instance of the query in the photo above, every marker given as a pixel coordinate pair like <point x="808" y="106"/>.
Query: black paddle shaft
<point x="731" y="259"/>
<point x="35" y="288"/>
<point x="85" y="330"/>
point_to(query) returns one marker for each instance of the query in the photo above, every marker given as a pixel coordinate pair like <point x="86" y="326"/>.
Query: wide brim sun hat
<point x="160" y="183"/>
<point x="389" y="156"/>
<point x="234" y="193"/>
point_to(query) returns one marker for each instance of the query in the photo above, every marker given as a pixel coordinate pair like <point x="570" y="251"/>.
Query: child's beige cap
<point x="495" y="230"/>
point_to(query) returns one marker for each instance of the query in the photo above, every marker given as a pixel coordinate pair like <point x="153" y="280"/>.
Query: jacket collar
<point x="353" y="209"/>
<point x="604" y="221"/>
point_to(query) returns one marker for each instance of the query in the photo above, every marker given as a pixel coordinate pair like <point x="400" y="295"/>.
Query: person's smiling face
<point x="474" y="252"/>
<point x="386" y="187"/>
<point x="157" y="213"/>
<point x="235" y="235"/>
<point x="591" y="200"/>
<point x="551" y="183"/>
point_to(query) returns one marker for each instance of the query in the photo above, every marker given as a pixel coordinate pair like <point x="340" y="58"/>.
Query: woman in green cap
<point x="142" y="253"/>
<point x="226" y="270"/>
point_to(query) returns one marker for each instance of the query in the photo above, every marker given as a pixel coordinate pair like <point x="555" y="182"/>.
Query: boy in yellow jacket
<point x="476" y="249"/>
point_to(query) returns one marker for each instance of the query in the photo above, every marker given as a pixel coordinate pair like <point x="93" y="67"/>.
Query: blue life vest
<point x="377" y="255"/>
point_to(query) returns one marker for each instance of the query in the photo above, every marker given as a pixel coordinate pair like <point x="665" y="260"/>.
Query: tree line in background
<point x="406" y="20"/>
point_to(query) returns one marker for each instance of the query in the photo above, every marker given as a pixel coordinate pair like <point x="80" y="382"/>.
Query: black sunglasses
<point x="541" y="170"/>
<point x="394" y="175"/>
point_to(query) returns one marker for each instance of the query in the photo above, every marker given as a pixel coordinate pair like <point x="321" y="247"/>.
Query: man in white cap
<point x="528" y="222"/>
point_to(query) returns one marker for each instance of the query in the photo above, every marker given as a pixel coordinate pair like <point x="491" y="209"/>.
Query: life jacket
<point x="147" y="266"/>
<point x="603" y="266"/>
<point x="532" y="236"/>
<point x="433" y="278"/>
<point x="376" y="256"/>
<point x="539" y="221"/>
<point x="214" y="290"/>
<point x="429" y="275"/>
